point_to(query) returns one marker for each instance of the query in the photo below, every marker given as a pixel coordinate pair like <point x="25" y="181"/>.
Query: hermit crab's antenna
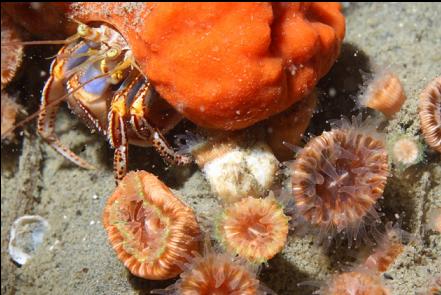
<point x="81" y="31"/>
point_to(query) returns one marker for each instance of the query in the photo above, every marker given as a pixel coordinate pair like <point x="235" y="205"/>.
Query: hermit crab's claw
<point x="50" y="102"/>
<point x="150" y="133"/>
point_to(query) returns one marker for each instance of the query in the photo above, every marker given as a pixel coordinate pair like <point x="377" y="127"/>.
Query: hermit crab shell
<point x="227" y="65"/>
<point x="150" y="229"/>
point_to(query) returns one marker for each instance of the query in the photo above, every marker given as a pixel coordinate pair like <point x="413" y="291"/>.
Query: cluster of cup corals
<point x="332" y="190"/>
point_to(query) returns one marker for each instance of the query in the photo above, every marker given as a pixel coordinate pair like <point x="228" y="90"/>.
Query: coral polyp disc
<point x="338" y="177"/>
<point x="255" y="229"/>
<point x="354" y="282"/>
<point x="150" y="229"/>
<point x="217" y="274"/>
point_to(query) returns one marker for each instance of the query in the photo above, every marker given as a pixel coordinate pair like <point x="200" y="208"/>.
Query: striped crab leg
<point x="53" y="90"/>
<point x="117" y="132"/>
<point x="145" y="130"/>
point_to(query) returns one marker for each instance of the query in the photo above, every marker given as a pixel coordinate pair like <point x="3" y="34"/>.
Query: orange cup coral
<point x="355" y="282"/>
<point x="227" y="65"/>
<point x="384" y="93"/>
<point x="430" y="114"/>
<point x="255" y="229"/>
<point x="150" y="229"/>
<point x="215" y="274"/>
<point x="389" y="247"/>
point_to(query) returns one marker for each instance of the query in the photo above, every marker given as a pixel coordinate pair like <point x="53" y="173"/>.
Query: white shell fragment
<point x="27" y="233"/>
<point x="240" y="172"/>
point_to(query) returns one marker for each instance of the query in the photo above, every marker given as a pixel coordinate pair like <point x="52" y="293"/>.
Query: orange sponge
<point x="227" y="65"/>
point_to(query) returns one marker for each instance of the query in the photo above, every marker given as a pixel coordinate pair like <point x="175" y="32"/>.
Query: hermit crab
<point x="108" y="91"/>
<point x="221" y="65"/>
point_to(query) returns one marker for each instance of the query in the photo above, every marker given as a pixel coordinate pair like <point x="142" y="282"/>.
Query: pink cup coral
<point x="338" y="178"/>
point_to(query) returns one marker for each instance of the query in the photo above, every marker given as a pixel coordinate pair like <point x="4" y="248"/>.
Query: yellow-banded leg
<point x="149" y="133"/>
<point x="53" y="90"/>
<point x="117" y="131"/>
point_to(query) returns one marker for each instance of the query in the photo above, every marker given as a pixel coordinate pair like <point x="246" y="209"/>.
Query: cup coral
<point x="355" y="283"/>
<point x="390" y="245"/>
<point x="215" y="273"/>
<point x="338" y="177"/>
<point x="384" y="93"/>
<point x="255" y="229"/>
<point x="227" y="65"/>
<point x="151" y="230"/>
<point x="405" y="151"/>
<point x="365" y="279"/>
<point x="430" y="114"/>
<point x="11" y="58"/>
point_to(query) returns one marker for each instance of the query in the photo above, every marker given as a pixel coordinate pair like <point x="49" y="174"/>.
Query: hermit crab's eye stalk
<point x="113" y="53"/>
<point x="106" y="63"/>
<point x="83" y="30"/>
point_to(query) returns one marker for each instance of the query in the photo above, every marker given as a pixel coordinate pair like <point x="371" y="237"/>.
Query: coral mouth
<point x="145" y="226"/>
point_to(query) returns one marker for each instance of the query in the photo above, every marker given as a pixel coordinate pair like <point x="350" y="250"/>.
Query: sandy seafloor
<point x="75" y="257"/>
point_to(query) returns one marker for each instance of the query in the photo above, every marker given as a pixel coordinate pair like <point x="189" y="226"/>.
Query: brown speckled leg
<point x="152" y="134"/>
<point x="160" y="143"/>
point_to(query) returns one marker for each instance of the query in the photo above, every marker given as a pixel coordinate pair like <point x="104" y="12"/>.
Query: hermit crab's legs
<point x="150" y="133"/>
<point x="137" y="93"/>
<point x="53" y="90"/>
